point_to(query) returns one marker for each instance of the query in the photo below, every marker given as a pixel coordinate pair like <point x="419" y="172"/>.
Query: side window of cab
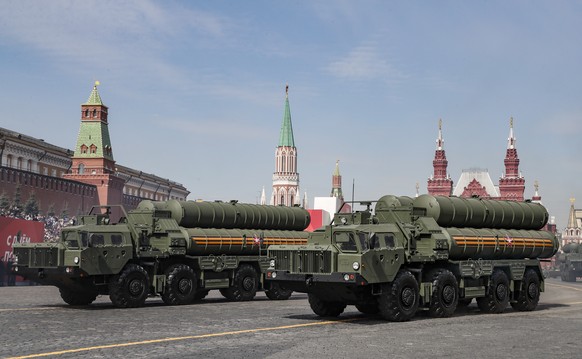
<point x="389" y="240"/>
<point x="96" y="240"/>
<point x="116" y="239"/>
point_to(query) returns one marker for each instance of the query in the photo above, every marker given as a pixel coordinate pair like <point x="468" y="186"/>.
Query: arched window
<point x="282" y="200"/>
<point x="19" y="163"/>
<point x="94" y="113"/>
<point x="81" y="169"/>
<point x="86" y="113"/>
<point x="9" y="161"/>
<point x="29" y="165"/>
<point x="291" y="203"/>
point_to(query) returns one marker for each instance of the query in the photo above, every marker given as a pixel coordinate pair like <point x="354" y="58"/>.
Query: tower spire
<point x="286" y="177"/>
<point x="440" y="182"/>
<point x="572" y="215"/>
<point x="336" y="183"/>
<point x="440" y="142"/>
<point x="512" y="184"/>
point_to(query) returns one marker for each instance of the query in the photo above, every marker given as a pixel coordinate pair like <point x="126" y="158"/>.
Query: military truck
<point x="179" y="250"/>
<point x="570" y="262"/>
<point x="431" y="253"/>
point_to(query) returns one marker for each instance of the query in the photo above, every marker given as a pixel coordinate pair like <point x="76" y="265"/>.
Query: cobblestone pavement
<point x="36" y="323"/>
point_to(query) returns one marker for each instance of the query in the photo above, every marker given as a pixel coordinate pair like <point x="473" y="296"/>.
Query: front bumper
<point x="60" y="276"/>
<point x="304" y="282"/>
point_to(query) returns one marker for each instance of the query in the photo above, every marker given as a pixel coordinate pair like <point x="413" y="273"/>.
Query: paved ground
<point x="35" y="323"/>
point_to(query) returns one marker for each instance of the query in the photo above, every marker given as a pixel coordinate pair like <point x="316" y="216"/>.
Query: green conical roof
<point x="94" y="98"/>
<point x="286" y="135"/>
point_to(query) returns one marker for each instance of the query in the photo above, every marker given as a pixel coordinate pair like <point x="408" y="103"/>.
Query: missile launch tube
<point x="472" y="243"/>
<point x="190" y="214"/>
<point x="481" y="213"/>
<point x="205" y="241"/>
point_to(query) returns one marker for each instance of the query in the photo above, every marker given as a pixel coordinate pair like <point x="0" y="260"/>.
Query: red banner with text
<point x="15" y="230"/>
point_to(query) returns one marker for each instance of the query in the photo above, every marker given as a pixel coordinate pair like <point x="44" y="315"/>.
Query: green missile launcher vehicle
<point x="570" y="262"/>
<point x="179" y="250"/>
<point x="428" y="253"/>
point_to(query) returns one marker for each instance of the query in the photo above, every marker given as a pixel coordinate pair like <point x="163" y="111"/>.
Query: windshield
<point x="345" y="241"/>
<point x="70" y="239"/>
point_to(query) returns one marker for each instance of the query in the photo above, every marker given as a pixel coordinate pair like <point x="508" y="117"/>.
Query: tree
<point x="31" y="206"/>
<point x="4" y="203"/>
<point x="16" y="209"/>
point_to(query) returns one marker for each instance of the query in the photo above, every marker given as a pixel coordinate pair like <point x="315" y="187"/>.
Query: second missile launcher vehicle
<point x="428" y="253"/>
<point x="570" y="262"/>
<point x="176" y="249"/>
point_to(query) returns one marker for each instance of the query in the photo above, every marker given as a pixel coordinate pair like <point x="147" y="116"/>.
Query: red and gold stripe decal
<point x="503" y="241"/>
<point x="227" y="241"/>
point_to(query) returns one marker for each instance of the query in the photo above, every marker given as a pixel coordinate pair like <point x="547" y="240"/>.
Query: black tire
<point x="130" y="288"/>
<point x="399" y="299"/>
<point x="278" y="292"/>
<point x="445" y="294"/>
<point x="180" y="286"/>
<point x="369" y="307"/>
<point x="497" y="295"/>
<point x="528" y="294"/>
<point x="78" y="297"/>
<point x="244" y="285"/>
<point x="325" y="308"/>
<point x="200" y="294"/>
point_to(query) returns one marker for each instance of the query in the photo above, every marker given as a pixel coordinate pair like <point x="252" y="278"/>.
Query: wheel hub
<point x="135" y="287"/>
<point x="407" y="297"/>
<point x="532" y="290"/>
<point x="248" y="283"/>
<point x="448" y="295"/>
<point x="501" y="292"/>
<point x="184" y="285"/>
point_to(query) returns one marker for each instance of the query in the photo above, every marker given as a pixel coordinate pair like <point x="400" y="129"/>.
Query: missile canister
<point x="191" y="214"/>
<point x="481" y="213"/>
<point x="474" y="243"/>
<point x="204" y="241"/>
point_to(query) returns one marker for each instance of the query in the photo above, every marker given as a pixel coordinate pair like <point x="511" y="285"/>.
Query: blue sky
<point x="196" y="89"/>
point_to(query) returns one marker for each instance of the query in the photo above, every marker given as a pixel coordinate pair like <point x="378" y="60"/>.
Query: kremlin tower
<point x="285" y="177"/>
<point x="93" y="161"/>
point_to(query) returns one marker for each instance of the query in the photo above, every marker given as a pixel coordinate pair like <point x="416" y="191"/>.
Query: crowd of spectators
<point x="53" y="225"/>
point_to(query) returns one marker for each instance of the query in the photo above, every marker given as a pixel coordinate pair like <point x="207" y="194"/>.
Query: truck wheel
<point x="324" y="308"/>
<point x="244" y="285"/>
<point x="445" y="294"/>
<point x="529" y="292"/>
<point x="77" y="297"/>
<point x="277" y="292"/>
<point x="369" y="307"/>
<point x="497" y="294"/>
<point x="399" y="299"/>
<point x="130" y="288"/>
<point x="180" y="285"/>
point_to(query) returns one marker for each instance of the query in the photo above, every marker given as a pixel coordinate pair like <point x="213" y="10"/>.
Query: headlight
<point x="356" y="265"/>
<point x="274" y="275"/>
<point x="272" y="263"/>
<point x="76" y="260"/>
<point x="346" y="277"/>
